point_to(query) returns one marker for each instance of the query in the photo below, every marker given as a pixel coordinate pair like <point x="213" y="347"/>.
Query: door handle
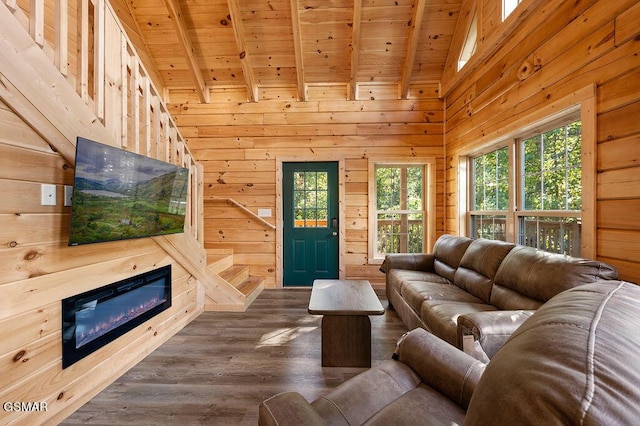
<point x="334" y="233"/>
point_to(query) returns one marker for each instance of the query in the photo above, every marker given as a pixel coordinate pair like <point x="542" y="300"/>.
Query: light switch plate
<point x="48" y="195"/>
<point x="68" y="195"/>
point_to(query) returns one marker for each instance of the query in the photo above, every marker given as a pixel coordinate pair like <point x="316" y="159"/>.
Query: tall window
<point x="399" y="208"/>
<point x="552" y="190"/>
<point x="508" y="6"/>
<point x="544" y="203"/>
<point x="491" y="194"/>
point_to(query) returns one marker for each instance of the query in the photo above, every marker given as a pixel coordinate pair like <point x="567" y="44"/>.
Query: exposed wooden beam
<point x="412" y="46"/>
<point x="245" y="61"/>
<point x="355" y="47"/>
<point x="297" y="44"/>
<point x="175" y="13"/>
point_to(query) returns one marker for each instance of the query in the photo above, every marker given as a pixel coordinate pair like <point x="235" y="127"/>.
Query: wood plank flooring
<point x="220" y="367"/>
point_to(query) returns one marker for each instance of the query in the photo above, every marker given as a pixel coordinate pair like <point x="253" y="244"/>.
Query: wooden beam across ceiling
<point x="175" y="13"/>
<point x="245" y="61"/>
<point x="355" y="47"/>
<point x="297" y="44"/>
<point x="412" y="46"/>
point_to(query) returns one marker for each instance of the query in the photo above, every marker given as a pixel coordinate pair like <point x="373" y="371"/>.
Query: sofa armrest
<point x="288" y="408"/>
<point x="490" y="329"/>
<point x="441" y="365"/>
<point x="410" y="261"/>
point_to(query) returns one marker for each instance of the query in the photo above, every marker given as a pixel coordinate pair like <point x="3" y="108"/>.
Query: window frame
<point x="470" y="44"/>
<point x="506" y="13"/>
<point x="515" y="211"/>
<point x="428" y="203"/>
<point x="510" y="210"/>
<point x="317" y="206"/>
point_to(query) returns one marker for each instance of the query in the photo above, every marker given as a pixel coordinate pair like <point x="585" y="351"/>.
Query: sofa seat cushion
<point x="416" y="292"/>
<point x="442" y="316"/>
<point x="356" y="400"/>
<point x="420" y="406"/>
<point x="398" y="276"/>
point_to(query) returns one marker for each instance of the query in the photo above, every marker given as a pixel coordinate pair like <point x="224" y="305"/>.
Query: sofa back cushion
<point x="575" y="361"/>
<point x="447" y="252"/>
<point x="529" y="277"/>
<point x="479" y="265"/>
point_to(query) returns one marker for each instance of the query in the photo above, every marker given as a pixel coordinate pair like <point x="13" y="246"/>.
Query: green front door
<point x="310" y="213"/>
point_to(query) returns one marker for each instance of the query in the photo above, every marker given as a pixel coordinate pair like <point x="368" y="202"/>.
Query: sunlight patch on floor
<point x="283" y="335"/>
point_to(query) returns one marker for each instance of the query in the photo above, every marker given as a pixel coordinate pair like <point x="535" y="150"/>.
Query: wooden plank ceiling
<point x="296" y="44"/>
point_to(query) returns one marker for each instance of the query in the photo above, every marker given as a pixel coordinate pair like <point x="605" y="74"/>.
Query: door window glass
<point x="310" y="199"/>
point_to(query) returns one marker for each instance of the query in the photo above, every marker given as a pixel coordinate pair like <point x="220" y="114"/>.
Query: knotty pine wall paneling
<point x="39" y="270"/>
<point x="593" y="43"/>
<point x="239" y="143"/>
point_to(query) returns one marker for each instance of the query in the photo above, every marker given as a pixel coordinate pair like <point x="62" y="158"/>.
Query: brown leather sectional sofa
<point x="573" y="362"/>
<point x="483" y="288"/>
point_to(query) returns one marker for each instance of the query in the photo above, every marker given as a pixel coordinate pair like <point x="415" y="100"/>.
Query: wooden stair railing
<point x="233" y="202"/>
<point x="107" y="96"/>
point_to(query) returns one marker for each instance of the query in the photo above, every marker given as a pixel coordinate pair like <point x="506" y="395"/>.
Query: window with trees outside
<point x="532" y="184"/>
<point x="399" y="208"/>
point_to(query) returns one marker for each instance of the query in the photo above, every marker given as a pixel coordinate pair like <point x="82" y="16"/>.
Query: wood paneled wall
<point x="40" y="115"/>
<point x="520" y="71"/>
<point x="39" y="270"/>
<point x="239" y="144"/>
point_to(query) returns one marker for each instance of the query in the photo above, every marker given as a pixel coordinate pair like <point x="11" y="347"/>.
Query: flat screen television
<point x="120" y="195"/>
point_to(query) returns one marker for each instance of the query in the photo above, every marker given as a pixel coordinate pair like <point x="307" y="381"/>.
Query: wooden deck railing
<point x="400" y="236"/>
<point x="552" y="234"/>
<point x="89" y="47"/>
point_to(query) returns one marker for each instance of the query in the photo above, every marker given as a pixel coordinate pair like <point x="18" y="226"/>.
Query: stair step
<point x="235" y="274"/>
<point x="250" y="284"/>
<point x="219" y="262"/>
<point x="251" y="288"/>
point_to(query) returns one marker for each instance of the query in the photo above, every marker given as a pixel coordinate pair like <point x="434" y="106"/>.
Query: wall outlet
<point x="264" y="212"/>
<point x="48" y="195"/>
<point x="68" y="195"/>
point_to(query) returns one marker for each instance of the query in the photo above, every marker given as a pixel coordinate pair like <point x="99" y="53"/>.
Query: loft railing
<point x="87" y="44"/>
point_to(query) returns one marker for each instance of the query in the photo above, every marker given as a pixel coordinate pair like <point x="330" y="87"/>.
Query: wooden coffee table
<point x="346" y="328"/>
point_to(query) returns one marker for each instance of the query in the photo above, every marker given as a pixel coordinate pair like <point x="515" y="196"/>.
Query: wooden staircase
<point x="220" y="262"/>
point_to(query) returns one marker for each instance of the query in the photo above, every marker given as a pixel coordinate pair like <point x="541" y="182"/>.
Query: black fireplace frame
<point x="71" y="352"/>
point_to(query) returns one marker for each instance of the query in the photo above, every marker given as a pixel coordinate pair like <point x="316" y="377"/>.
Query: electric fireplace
<point x="92" y="319"/>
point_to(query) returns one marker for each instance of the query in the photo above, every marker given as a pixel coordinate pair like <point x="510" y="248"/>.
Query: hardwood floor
<point x="220" y="367"/>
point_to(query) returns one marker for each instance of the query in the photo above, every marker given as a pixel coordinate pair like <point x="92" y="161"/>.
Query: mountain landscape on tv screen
<point x="128" y="196"/>
<point x="112" y="210"/>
